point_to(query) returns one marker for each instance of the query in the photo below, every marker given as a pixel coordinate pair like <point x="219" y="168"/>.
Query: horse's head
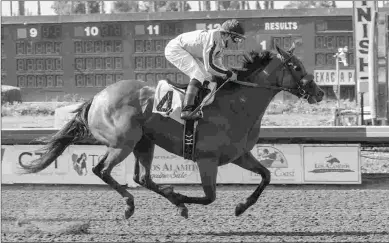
<point x="295" y="78"/>
<point x="280" y="72"/>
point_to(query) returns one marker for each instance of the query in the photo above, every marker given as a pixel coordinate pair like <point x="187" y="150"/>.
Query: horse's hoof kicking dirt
<point x="183" y="211"/>
<point x="240" y="208"/>
<point x="167" y="189"/>
<point x="129" y="212"/>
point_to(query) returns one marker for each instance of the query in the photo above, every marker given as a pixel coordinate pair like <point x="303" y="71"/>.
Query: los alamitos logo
<point x="331" y="164"/>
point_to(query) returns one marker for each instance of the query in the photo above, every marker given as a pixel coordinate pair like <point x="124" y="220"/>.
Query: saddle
<point x="168" y="102"/>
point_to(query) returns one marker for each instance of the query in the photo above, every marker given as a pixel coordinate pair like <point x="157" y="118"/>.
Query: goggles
<point x="236" y="38"/>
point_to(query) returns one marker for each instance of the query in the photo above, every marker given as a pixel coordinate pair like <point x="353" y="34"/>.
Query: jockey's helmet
<point x="235" y="29"/>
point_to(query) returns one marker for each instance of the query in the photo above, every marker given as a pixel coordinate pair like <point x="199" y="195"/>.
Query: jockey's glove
<point x="234" y="76"/>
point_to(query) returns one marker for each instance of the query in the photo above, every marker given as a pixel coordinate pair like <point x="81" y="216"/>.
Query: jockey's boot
<point x="189" y="101"/>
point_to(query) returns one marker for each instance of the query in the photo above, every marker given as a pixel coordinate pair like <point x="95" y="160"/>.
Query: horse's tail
<point x="74" y="131"/>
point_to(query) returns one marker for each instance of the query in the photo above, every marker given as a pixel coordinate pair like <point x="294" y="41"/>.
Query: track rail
<point x="366" y="136"/>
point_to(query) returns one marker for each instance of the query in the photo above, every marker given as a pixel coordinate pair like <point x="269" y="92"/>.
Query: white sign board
<point x="6" y="167"/>
<point x="288" y="164"/>
<point x="331" y="164"/>
<point x="168" y="168"/>
<point x="283" y="161"/>
<point x="73" y="166"/>
<point x="363" y="16"/>
<point x="82" y="158"/>
<point x="330" y="77"/>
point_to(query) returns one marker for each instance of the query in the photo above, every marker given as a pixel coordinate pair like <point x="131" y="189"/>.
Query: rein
<point x="267" y="71"/>
<point x="242" y="83"/>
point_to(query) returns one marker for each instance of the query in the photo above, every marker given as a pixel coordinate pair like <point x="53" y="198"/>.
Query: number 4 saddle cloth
<point x="169" y="98"/>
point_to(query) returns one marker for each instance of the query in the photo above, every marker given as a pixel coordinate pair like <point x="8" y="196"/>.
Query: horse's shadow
<point x="296" y="233"/>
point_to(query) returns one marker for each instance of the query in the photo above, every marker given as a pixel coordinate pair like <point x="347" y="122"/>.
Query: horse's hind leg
<point x="104" y="168"/>
<point x="248" y="162"/>
<point x="144" y="152"/>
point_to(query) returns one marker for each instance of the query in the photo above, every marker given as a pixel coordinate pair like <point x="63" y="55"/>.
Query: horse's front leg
<point x="144" y="153"/>
<point x="249" y="162"/>
<point x="208" y="173"/>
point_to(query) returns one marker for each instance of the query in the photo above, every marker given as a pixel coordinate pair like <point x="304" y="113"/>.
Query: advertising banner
<point x="288" y="164"/>
<point x="74" y="166"/>
<point x="330" y="77"/>
<point x="168" y="168"/>
<point x="283" y="161"/>
<point x="331" y="164"/>
<point x="6" y="164"/>
<point x="230" y="174"/>
<point x="81" y="160"/>
<point x="24" y="154"/>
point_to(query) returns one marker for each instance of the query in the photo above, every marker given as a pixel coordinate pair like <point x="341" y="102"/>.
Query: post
<point x="338" y="82"/>
<point x="362" y="111"/>
<point x="101" y="7"/>
<point x="39" y="8"/>
<point x="340" y="56"/>
<point x="87" y="7"/>
<point x="371" y="69"/>
<point x="387" y="74"/>
<point x="387" y="69"/>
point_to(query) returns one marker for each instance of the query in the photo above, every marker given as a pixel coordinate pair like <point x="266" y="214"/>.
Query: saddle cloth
<point x="168" y="100"/>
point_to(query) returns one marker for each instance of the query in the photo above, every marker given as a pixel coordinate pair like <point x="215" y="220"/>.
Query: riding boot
<point x="189" y="101"/>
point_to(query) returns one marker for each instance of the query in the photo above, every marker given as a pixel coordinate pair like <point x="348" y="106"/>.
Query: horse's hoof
<point x="240" y="208"/>
<point x="167" y="189"/>
<point x="183" y="211"/>
<point x="129" y="212"/>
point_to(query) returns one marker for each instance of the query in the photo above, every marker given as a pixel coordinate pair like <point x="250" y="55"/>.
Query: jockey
<point x="186" y="50"/>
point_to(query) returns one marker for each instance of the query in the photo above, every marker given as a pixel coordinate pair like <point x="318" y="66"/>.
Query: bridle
<point x="269" y="69"/>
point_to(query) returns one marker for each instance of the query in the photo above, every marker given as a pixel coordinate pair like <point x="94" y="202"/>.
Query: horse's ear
<point x="281" y="51"/>
<point x="291" y="49"/>
<point x="278" y="49"/>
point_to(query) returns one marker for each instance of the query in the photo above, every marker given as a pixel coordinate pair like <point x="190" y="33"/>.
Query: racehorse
<point x="121" y="117"/>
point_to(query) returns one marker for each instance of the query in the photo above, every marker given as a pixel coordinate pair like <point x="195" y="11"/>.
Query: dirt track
<point x="280" y="215"/>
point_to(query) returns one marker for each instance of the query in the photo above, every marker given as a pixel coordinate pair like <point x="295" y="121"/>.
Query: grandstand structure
<point x="50" y="56"/>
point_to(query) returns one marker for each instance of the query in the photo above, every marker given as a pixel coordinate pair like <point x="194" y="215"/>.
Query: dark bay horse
<point x="120" y="117"/>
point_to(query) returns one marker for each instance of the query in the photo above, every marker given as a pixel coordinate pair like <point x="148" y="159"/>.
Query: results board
<point x="52" y="57"/>
<point x="98" y="54"/>
<point x="38" y="59"/>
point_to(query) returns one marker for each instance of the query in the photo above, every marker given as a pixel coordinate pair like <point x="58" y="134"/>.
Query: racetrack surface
<point x="40" y="213"/>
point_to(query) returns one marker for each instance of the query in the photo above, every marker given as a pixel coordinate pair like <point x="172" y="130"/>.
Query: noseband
<point x="269" y="69"/>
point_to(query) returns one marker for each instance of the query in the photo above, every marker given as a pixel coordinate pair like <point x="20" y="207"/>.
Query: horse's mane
<point x="252" y="61"/>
